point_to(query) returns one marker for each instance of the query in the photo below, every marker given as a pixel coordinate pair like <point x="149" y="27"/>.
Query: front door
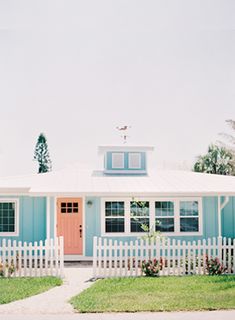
<point x="69" y="224"/>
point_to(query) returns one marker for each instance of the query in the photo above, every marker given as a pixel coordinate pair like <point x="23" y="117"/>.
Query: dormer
<point x="125" y="160"/>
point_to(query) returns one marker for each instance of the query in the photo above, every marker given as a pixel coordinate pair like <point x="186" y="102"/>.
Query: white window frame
<point x="122" y="163"/>
<point x="130" y="160"/>
<point x="16" y="232"/>
<point x="189" y="217"/>
<point x="165" y="217"/>
<point x="140" y="217"/>
<point x="151" y="201"/>
<point x="115" y="217"/>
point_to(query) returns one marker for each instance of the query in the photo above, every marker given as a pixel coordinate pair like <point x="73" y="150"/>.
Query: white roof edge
<point x="14" y="190"/>
<point x="125" y="148"/>
<point x="135" y="194"/>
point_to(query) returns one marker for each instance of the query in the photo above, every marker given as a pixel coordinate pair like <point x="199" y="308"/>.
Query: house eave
<point x="128" y="193"/>
<point x="14" y="191"/>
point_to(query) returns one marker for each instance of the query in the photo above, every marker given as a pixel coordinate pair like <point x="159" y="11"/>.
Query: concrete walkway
<point x="54" y="301"/>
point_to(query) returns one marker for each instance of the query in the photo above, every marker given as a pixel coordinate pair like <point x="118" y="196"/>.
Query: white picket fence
<point x="32" y="260"/>
<point x="122" y="259"/>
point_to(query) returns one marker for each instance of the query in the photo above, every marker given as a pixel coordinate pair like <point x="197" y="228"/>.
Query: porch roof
<point x="76" y="181"/>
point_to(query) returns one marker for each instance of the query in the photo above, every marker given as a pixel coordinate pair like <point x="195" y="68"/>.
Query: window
<point x="189" y="216"/>
<point x="164" y="216"/>
<point x="69" y="207"/>
<point x="134" y="160"/>
<point x="117" y="160"/>
<point x="139" y="215"/>
<point x="114" y="216"/>
<point x="8" y="217"/>
<point x="171" y="216"/>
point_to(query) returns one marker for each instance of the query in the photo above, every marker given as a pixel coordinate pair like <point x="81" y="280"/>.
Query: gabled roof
<point x="76" y="181"/>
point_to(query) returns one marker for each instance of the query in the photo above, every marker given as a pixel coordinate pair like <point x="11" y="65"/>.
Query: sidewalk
<point x="55" y="300"/>
<point x="208" y="315"/>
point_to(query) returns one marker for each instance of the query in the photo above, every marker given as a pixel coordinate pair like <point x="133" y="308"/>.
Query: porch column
<point x="219" y="217"/>
<point x="48" y="218"/>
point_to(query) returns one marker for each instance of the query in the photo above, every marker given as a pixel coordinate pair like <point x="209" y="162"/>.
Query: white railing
<point x="32" y="260"/>
<point x="112" y="258"/>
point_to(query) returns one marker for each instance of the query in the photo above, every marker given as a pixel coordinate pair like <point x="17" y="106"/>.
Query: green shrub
<point x="214" y="266"/>
<point x="151" y="268"/>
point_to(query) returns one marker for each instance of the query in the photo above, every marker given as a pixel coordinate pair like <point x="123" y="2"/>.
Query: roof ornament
<point x="123" y="130"/>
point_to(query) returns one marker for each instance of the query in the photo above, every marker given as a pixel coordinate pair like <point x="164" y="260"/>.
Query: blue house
<point x="114" y="202"/>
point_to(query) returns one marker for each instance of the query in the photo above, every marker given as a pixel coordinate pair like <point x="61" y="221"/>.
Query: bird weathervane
<point x="123" y="130"/>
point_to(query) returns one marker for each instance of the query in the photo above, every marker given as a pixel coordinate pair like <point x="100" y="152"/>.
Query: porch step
<point x="79" y="264"/>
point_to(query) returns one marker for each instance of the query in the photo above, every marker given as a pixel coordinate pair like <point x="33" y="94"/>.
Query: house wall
<point x="32" y="219"/>
<point x="210" y="222"/>
<point x="228" y="219"/>
<point x="52" y="217"/>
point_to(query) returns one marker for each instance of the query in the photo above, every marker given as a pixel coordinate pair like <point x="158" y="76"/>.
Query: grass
<point x="158" y="294"/>
<point x="12" y="289"/>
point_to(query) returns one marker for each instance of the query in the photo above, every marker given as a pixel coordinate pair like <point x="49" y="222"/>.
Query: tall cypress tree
<point x="41" y="154"/>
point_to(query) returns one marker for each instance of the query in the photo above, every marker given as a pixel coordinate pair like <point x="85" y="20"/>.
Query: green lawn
<point x="12" y="289"/>
<point x="158" y="294"/>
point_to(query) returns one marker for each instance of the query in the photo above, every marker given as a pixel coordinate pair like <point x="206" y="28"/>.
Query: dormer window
<point x="134" y="160"/>
<point x="118" y="160"/>
<point x="125" y="160"/>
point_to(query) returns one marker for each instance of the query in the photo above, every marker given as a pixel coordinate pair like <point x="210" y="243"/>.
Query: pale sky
<point x="77" y="69"/>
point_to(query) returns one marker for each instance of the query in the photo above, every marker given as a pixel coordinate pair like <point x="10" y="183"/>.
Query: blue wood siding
<point x="92" y="224"/>
<point x="210" y="222"/>
<point x="52" y="217"/>
<point x="109" y="166"/>
<point x="228" y="219"/>
<point x="32" y="219"/>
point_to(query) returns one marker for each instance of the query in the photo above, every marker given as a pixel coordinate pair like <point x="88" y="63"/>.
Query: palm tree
<point x="218" y="160"/>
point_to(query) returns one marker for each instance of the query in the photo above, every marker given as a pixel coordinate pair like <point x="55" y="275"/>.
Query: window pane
<point x="114" y="225"/>
<point x="164" y="208"/>
<point x="11" y="228"/>
<point x="136" y="224"/>
<point x="114" y="208"/>
<point x="188" y="208"/>
<point x="5" y="205"/>
<point x="164" y="225"/>
<point x="139" y="208"/>
<point x="189" y="224"/>
<point x="134" y="160"/>
<point x="117" y="160"/>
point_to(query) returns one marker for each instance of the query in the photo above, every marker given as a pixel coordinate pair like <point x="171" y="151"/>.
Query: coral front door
<point x="69" y="224"/>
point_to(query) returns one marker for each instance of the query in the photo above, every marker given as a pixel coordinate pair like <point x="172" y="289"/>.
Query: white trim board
<point x="102" y="149"/>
